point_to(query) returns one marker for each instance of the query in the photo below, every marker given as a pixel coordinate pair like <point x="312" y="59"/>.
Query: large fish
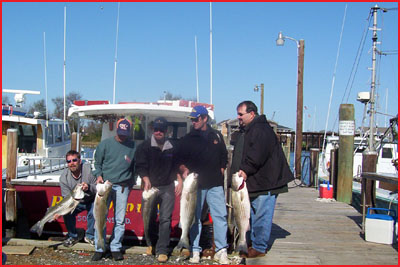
<point x="65" y="206"/>
<point x="99" y="211"/>
<point x="148" y="198"/>
<point x="241" y="210"/>
<point x="187" y="210"/>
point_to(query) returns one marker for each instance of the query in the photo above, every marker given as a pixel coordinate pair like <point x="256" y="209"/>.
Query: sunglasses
<point x="195" y="119"/>
<point x="72" y="160"/>
<point x="242" y="114"/>
<point x="159" y="130"/>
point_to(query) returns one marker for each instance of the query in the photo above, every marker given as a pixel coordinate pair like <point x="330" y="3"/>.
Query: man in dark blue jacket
<point x="264" y="167"/>
<point x="155" y="164"/>
<point x="203" y="151"/>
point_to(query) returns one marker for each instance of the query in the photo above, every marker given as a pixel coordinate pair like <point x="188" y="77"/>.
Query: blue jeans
<point x="70" y="220"/>
<point x="120" y="199"/>
<point x="261" y="214"/>
<point x="216" y="201"/>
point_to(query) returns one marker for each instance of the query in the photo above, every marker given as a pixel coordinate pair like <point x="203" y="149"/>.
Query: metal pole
<point x="299" y="117"/>
<point x="211" y="71"/>
<point x="65" y="33"/>
<point x="373" y="80"/>
<point x="116" y="53"/>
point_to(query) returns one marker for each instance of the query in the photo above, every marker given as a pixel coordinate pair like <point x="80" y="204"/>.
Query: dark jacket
<point x="158" y="165"/>
<point x="263" y="159"/>
<point x="204" y="152"/>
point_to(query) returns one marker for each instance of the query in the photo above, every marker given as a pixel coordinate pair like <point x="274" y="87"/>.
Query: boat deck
<point x="311" y="232"/>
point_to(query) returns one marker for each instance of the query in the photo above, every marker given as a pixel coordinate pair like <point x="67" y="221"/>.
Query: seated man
<point x="78" y="173"/>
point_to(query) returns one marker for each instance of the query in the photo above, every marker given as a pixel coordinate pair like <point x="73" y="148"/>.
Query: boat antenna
<point x="334" y="78"/>
<point x="45" y="76"/>
<point x="65" y="30"/>
<point x="115" y="59"/>
<point x="211" y="72"/>
<point x="197" y="70"/>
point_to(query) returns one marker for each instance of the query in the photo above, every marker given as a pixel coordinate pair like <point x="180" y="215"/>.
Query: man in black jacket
<point x="155" y="163"/>
<point x="264" y="167"/>
<point x="203" y="151"/>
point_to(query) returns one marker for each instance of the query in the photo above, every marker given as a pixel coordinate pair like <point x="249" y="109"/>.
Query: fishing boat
<point x="41" y="142"/>
<point x="45" y="188"/>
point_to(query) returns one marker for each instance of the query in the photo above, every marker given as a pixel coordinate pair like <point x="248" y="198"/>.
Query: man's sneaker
<point x="162" y="258"/>
<point x="89" y="241"/>
<point x="150" y="251"/>
<point x="97" y="256"/>
<point x="117" y="256"/>
<point x="70" y="241"/>
<point x="222" y="257"/>
<point x="195" y="257"/>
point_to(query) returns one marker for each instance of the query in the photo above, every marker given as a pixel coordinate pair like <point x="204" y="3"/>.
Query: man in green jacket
<point x="114" y="161"/>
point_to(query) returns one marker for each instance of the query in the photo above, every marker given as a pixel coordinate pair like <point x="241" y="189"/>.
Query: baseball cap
<point x="197" y="111"/>
<point x="124" y="127"/>
<point x="160" y="123"/>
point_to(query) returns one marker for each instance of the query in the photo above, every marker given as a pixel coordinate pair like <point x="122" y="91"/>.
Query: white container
<point x="379" y="228"/>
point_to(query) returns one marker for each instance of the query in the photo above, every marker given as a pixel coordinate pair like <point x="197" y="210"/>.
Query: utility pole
<point x="299" y="119"/>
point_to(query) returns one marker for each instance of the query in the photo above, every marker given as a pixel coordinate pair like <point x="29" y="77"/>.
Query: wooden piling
<point x="346" y="144"/>
<point x="333" y="174"/>
<point x="369" y="160"/>
<point x="314" y="152"/>
<point x="11" y="173"/>
<point x="75" y="142"/>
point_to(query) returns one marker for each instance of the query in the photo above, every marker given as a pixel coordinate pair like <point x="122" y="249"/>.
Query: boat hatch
<point x="27" y="136"/>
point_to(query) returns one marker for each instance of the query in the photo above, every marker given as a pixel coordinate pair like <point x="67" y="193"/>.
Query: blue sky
<point x="156" y="53"/>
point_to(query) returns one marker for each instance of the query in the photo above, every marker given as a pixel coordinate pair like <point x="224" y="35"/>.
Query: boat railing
<point x="41" y="165"/>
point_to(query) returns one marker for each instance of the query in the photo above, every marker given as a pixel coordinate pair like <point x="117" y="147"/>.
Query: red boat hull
<point x="36" y="199"/>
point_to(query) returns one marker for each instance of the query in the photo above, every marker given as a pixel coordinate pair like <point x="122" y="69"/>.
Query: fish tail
<point x="37" y="228"/>
<point x="183" y="243"/>
<point x="242" y="246"/>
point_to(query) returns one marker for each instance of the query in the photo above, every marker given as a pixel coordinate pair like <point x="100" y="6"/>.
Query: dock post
<point x="333" y="175"/>
<point x="314" y="166"/>
<point x="11" y="173"/>
<point x="368" y="189"/>
<point x="346" y="144"/>
<point x="75" y="142"/>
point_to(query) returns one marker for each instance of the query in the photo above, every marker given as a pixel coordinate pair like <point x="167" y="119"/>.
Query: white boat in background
<point x="141" y="114"/>
<point x="387" y="156"/>
<point x="42" y="144"/>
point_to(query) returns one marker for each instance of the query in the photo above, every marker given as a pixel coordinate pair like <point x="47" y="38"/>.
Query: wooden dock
<point x="307" y="231"/>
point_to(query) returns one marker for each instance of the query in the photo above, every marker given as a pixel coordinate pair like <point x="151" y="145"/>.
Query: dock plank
<point x="307" y="231"/>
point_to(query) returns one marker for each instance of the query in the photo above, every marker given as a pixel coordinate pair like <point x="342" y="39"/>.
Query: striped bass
<point x="99" y="212"/>
<point x="187" y="210"/>
<point x="241" y="210"/>
<point x="65" y="206"/>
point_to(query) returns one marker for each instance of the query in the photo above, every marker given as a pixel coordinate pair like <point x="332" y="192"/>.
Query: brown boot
<point x="254" y="253"/>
